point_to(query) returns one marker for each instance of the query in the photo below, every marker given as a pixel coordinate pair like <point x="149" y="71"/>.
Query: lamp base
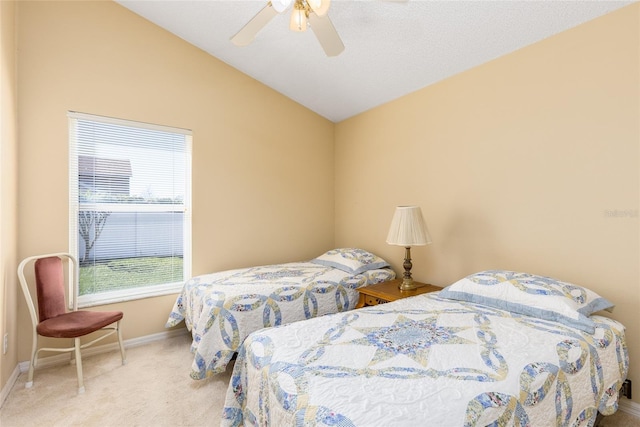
<point x="407" y="284"/>
<point x="407" y="281"/>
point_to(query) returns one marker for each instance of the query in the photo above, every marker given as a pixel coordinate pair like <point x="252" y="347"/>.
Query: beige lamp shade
<point x="408" y="227"/>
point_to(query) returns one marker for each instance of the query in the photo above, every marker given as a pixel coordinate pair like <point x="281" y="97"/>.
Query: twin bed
<point x="221" y="309"/>
<point x="496" y="348"/>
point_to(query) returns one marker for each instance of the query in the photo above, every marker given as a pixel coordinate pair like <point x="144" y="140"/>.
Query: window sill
<point x="104" y="298"/>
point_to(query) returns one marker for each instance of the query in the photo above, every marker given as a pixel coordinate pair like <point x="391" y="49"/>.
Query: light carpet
<point x="152" y="389"/>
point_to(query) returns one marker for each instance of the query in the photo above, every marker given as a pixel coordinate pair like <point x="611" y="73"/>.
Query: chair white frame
<point x="72" y="305"/>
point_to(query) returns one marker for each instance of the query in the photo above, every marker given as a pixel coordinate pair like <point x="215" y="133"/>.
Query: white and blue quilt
<point x="427" y="360"/>
<point x="221" y="309"/>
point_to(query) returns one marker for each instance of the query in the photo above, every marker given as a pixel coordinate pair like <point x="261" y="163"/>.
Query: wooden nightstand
<point x="388" y="291"/>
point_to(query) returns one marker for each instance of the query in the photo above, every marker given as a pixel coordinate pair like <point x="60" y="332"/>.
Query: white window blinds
<point x="130" y="195"/>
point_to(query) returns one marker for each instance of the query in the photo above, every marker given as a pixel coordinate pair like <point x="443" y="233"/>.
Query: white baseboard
<point x="61" y="359"/>
<point x="4" y="393"/>
<point x="629" y="407"/>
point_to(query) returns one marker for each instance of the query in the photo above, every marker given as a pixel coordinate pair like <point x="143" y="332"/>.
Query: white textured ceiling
<point x="391" y="47"/>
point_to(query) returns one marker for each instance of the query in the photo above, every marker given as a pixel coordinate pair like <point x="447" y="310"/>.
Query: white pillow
<point x="351" y="260"/>
<point x="536" y="296"/>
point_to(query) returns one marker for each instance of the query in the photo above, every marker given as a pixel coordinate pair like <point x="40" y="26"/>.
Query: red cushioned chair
<point x="55" y="321"/>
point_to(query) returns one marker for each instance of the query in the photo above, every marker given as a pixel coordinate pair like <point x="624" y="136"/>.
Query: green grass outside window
<point x="127" y="273"/>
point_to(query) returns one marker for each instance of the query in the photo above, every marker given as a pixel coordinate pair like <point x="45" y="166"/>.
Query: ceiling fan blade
<point x="251" y="28"/>
<point x="326" y="34"/>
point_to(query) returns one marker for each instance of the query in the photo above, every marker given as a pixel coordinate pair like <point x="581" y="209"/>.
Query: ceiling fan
<point x="305" y="12"/>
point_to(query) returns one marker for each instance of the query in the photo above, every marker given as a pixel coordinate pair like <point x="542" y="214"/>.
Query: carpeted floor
<point x="152" y="389"/>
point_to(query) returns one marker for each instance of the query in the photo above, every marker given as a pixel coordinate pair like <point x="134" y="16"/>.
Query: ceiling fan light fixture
<point x="298" y="17"/>
<point x="302" y="17"/>
<point x="281" y="5"/>
<point x="319" y="7"/>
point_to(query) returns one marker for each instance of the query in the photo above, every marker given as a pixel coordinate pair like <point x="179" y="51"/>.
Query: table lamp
<point x="408" y="229"/>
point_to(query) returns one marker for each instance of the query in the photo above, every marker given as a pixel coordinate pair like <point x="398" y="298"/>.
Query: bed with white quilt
<point x="221" y="309"/>
<point x="497" y="348"/>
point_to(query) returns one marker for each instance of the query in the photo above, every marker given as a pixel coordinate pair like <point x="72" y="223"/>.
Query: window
<point x="129" y="207"/>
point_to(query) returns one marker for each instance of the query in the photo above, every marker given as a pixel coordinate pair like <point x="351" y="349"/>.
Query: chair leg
<point x="79" y="366"/>
<point x="124" y="357"/>
<point x="33" y="360"/>
<point x="72" y="356"/>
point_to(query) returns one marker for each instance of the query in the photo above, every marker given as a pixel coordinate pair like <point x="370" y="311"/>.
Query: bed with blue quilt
<point x="221" y="309"/>
<point x="497" y="348"/>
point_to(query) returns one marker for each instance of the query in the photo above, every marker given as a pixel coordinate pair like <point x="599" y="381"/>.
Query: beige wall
<point x="517" y="164"/>
<point x="8" y="190"/>
<point x="261" y="193"/>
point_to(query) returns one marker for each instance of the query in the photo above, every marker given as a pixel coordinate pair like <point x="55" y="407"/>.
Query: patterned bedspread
<point x="221" y="309"/>
<point x="427" y="360"/>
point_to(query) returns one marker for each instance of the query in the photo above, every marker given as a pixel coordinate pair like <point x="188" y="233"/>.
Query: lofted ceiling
<point x="392" y="48"/>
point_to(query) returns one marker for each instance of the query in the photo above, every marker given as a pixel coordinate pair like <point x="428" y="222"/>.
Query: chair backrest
<point x="50" y="287"/>
<point x="50" y="283"/>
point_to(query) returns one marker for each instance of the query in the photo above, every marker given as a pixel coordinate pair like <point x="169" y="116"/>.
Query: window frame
<point x="145" y="291"/>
